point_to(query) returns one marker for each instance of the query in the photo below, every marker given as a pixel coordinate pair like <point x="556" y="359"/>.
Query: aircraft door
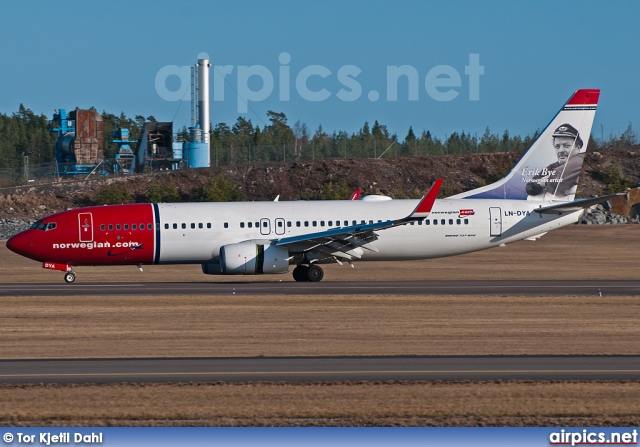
<point x="280" y="225"/>
<point x="265" y="226"/>
<point x="495" y="215"/>
<point x="85" y="227"/>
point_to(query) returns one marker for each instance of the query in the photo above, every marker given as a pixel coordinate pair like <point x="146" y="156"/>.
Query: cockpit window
<point x="43" y="226"/>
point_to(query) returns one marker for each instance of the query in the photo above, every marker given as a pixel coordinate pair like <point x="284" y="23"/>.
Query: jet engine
<point x="250" y="258"/>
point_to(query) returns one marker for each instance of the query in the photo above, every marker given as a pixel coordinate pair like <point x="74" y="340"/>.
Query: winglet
<point x="424" y="207"/>
<point x="355" y="195"/>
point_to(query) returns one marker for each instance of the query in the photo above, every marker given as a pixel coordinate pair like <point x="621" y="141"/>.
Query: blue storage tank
<point x="197" y="154"/>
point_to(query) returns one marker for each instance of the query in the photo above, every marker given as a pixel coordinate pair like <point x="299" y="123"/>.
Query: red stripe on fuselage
<point x="111" y="243"/>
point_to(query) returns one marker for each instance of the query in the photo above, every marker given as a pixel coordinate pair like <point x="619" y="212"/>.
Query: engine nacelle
<point x="251" y="258"/>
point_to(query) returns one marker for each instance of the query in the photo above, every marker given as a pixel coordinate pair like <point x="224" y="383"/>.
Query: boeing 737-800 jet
<point x="247" y="238"/>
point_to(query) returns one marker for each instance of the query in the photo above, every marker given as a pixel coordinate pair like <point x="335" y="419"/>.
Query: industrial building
<point x="79" y="148"/>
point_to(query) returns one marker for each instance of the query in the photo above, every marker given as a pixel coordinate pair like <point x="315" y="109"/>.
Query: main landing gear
<point x="308" y="273"/>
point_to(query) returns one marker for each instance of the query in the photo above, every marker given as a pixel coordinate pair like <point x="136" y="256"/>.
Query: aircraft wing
<point x="347" y="240"/>
<point x="576" y="205"/>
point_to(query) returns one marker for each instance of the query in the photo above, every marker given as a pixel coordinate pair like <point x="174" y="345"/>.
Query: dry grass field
<point x="512" y="403"/>
<point x="115" y="326"/>
<point x="196" y="326"/>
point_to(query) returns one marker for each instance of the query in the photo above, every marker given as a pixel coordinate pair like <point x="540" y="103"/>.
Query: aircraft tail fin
<point x="549" y="170"/>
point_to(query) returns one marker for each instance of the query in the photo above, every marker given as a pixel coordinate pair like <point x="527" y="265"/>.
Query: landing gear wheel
<point x="69" y="277"/>
<point x="300" y="273"/>
<point x="315" y="273"/>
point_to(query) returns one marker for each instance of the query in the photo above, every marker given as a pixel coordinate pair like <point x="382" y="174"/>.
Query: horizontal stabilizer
<point x="576" y="205"/>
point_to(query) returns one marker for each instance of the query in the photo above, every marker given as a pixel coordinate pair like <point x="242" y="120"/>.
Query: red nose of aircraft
<point x="23" y="244"/>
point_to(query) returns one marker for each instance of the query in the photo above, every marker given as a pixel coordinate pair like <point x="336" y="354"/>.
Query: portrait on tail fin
<point x="560" y="179"/>
<point x="548" y="171"/>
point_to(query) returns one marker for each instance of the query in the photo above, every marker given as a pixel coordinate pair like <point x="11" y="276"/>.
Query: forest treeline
<point x="24" y="133"/>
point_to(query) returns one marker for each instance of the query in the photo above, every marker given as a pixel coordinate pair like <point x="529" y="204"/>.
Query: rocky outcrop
<point x="599" y="215"/>
<point x="11" y="226"/>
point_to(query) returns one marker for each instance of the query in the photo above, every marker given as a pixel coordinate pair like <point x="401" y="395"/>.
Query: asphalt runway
<point x="302" y="369"/>
<point x="530" y="287"/>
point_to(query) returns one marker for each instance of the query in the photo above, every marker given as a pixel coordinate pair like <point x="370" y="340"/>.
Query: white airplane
<point x="250" y="238"/>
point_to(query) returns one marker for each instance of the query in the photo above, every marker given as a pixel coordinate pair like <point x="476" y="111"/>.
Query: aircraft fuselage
<point x="193" y="233"/>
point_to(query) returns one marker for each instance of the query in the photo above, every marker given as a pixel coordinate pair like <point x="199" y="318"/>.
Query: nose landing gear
<point x="69" y="277"/>
<point x="69" y="274"/>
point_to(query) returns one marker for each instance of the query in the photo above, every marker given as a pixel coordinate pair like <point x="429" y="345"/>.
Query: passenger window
<point x="297" y="223"/>
<point x="118" y="226"/>
<point x="250" y="224"/>
<point x="435" y="221"/>
<point x="458" y="221"/>
<point x="315" y="223"/>
<point x="420" y="222"/>
<point x="141" y="226"/>
<point x="354" y="222"/>
<point x="208" y="224"/>
<point x="370" y="221"/>
<point x="200" y="226"/>
<point x="166" y="226"/>
<point x="466" y="221"/>
<point x="184" y="226"/>
<point x="149" y="226"/>
<point x="226" y="224"/>
<point x="330" y="223"/>
<point x="110" y="227"/>
<point x="306" y="223"/>
<point x="450" y="221"/>
<point x="413" y="222"/>
<point x="346" y="223"/>
<point x="241" y="224"/>
<point x="264" y="224"/>
<point x="322" y="223"/>
<point x="134" y="226"/>
<point x="289" y="223"/>
<point x="279" y="224"/>
<point x="193" y="226"/>
<point x="175" y="226"/>
<point x="102" y="227"/>
<point x="427" y="222"/>
<point x="126" y="226"/>
<point x="443" y="222"/>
